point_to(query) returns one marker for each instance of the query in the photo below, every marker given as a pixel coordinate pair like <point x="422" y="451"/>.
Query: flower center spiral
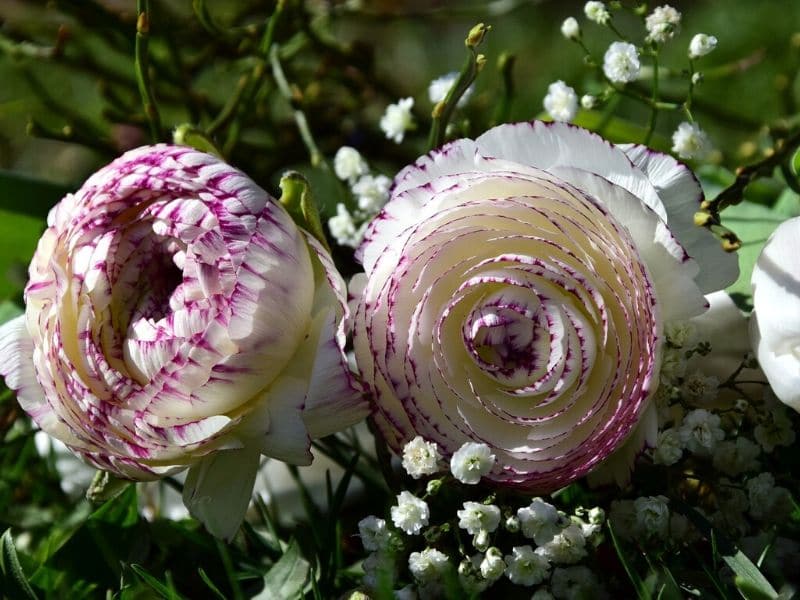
<point x="501" y="334"/>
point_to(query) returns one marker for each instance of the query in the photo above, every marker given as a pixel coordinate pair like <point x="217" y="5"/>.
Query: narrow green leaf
<point x="749" y="580"/>
<point x="287" y="578"/>
<point x="640" y="586"/>
<point x="207" y="580"/>
<point x="796" y="163"/>
<point x="15" y="583"/>
<point x="168" y="593"/>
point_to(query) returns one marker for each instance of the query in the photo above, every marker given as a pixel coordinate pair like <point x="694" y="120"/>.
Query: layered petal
<point x="514" y="294"/>
<point x="176" y="316"/>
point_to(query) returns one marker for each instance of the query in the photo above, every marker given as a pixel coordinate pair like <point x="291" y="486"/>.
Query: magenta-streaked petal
<point x="681" y="195"/>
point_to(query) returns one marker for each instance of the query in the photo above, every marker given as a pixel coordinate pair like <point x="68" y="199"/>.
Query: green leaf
<point x="14" y="583"/>
<point x="207" y="580"/>
<point x="754" y="223"/>
<point x="287" y="577"/>
<point x="166" y="592"/>
<point x="639" y="586"/>
<point x="122" y="509"/>
<point x="8" y="310"/>
<point x="296" y="198"/>
<point x="796" y="163"/>
<point x="748" y="579"/>
<point x="19" y="234"/>
<point x="27" y="196"/>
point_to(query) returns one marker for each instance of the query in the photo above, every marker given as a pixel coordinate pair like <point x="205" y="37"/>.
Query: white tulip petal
<point x="775" y="323"/>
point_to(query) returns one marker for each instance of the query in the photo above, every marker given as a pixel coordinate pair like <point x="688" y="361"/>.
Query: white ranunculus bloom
<point x="162" y="332"/>
<point x="775" y="324"/>
<point x="515" y="295"/>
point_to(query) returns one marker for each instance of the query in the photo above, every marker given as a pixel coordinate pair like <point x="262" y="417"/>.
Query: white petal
<point x="547" y="145"/>
<point x="218" y="488"/>
<point x="775" y="327"/>
<point x="681" y="194"/>
<point x="725" y="327"/>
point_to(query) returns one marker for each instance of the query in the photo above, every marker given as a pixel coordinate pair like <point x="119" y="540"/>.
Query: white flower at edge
<point x="525" y="566"/>
<point x="492" y="566"/>
<point x="410" y="514"/>
<point x="371" y="192"/>
<point x="597" y="12"/>
<point x="421" y="457"/>
<point x="662" y="24"/>
<point x="775" y="321"/>
<point x="543" y="593"/>
<point x="570" y="28"/>
<point x="698" y="388"/>
<point x="471" y="462"/>
<point x="701" y="45"/>
<point x="768" y="502"/>
<point x="588" y="101"/>
<point x="652" y="516"/>
<point x="539" y="521"/>
<point x="405" y="593"/>
<point x="476" y="517"/>
<point x="700" y="431"/>
<point x="343" y="228"/>
<point x="689" y="141"/>
<point x="373" y="532"/>
<point x="775" y="430"/>
<point x="440" y="87"/>
<point x="736" y="457"/>
<point x="575" y="583"/>
<point x="397" y="119"/>
<point x="669" y="447"/>
<point x="428" y="566"/>
<point x="348" y="164"/>
<point x="561" y="101"/>
<point x="621" y="62"/>
<point x="567" y="547"/>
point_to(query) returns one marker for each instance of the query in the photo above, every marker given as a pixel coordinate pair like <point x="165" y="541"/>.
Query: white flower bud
<point x="561" y="102"/>
<point x="689" y="141"/>
<point x="621" y="62"/>
<point x="410" y="514"/>
<point x="701" y="45"/>
<point x="570" y="28"/>
<point x="597" y="12"/>
<point x="348" y="164"/>
<point x="471" y="462"/>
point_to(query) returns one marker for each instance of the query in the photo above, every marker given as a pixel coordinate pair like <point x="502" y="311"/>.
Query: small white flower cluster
<point x="662" y="24"/>
<point x="546" y="540"/>
<point x="648" y="518"/>
<point x="370" y="192"/>
<point x="561" y="102"/>
<point x="397" y="119"/>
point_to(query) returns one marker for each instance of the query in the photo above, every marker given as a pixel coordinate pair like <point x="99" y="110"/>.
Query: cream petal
<point x="775" y="325"/>
<point x="218" y="488"/>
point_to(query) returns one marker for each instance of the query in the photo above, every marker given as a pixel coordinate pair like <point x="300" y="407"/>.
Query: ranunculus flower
<point x="775" y="323"/>
<point x="176" y="317"/>
<point x="515" y="293"/>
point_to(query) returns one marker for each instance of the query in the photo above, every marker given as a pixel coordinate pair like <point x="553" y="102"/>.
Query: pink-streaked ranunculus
<point x="176" y="317"/>
<point x="775" y="323"/>
<point x="515" y="292"/>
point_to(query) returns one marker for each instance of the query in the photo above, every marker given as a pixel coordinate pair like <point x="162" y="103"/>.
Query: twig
<point x="708" y="216"/>
<point x="141" y="66"/>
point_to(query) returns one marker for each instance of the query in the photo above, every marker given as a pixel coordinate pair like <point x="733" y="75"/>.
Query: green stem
<point x="505" y="65"/>
<point x="651" y="126"/>
<point x="317" y="159"/>
<point x="142" y="67"/>
<point x="444" y="110"/>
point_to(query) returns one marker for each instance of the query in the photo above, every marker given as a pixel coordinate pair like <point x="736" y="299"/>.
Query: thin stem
<point x="444" y="110"/>
<point x="142" y="68"/>
<point x="505" y="65"/>
<point x="651" y="126"/>
<point x="317" y="159"/>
